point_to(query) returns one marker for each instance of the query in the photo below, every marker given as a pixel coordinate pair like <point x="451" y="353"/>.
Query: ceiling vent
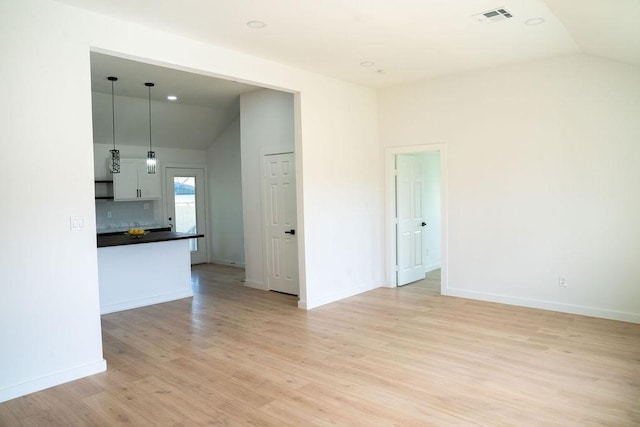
<point x="494" y="15"/>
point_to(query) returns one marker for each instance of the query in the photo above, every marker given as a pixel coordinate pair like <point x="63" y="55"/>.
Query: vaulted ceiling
<point x="377" y="43"/>
<point x="382" y="43"/>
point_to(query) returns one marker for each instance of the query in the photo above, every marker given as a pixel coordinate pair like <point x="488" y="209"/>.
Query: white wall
<point x="343" y="195"/>
<point x="49" y="311"/>
<point x="163" y="155"/>
<point x="266" y="122"/>
<point x="542" y="179"/>
<point x="191" y="125"/>
<point x="225" y="198"/>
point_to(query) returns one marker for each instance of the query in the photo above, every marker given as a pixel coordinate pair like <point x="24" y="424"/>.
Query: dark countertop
<point x="158" y="236"/>
<point x="153" y="229"/>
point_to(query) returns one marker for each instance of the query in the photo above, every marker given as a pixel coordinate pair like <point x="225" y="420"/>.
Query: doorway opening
<point x="185" y="196"/>
<point x="416" y="212"/>
<point x="205" y="117"/>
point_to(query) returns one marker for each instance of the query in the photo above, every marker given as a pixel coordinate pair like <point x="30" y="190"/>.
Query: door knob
<point x="424" y="223"/>
<point x="292" y="232"/>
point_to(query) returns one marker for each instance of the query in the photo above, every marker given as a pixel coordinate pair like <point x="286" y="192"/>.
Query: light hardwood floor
<point x="238" y="356"/>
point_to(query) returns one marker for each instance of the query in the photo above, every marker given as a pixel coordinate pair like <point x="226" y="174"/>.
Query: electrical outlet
<point x="109" y="214"/>
<point x="145" y="206"/>
<point x="562" y="281"/>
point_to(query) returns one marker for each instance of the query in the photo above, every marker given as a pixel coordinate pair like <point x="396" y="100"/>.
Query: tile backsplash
<point x="124" y="215"/>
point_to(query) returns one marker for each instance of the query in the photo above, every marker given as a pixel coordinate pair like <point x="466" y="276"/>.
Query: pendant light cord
<point x="114" y="163"/>
<point x="151" y="156"/>
<point x="113" y="113"/>
<point x="149" y="85"/>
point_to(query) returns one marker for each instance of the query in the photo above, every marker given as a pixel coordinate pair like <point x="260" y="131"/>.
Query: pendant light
<point x="151" y="155"/>
<point x="114" y="164"/>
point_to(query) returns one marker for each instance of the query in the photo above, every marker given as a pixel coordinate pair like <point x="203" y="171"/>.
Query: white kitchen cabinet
<point x="134" y="183"/>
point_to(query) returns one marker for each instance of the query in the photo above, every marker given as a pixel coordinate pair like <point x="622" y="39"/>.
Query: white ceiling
<point x="606" y="28"/>
<point x="407" y="39"/>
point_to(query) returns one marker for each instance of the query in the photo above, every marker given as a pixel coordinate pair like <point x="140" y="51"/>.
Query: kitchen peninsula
<point x="143" y="270"/>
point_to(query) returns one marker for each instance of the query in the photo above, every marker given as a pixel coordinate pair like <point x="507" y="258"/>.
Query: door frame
<point x="270" y="151"/>
<point x="390" y="207"/>
<point x="165" y="213"/>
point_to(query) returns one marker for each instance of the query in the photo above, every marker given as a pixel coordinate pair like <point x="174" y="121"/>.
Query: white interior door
<point x="185" y="207"/>
<point x="279" y="201"/>
<point x="410" y="221"/>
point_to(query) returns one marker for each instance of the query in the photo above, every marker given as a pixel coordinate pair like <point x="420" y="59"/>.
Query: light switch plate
<point x="77" y="223"/>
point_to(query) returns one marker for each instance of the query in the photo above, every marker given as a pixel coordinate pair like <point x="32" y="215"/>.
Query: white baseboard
<point x="230" y="263"/>
<point x="427" y="269"/>
<point x="430" y="267"/>
<point x="256" y="285"/>
<point x="52" y="380"/>
<point x="157" y="299"/>
<point x="308" y="305"/>
<point x="545" y="305"/>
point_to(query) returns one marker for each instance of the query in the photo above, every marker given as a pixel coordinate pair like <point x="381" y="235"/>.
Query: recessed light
<point x="172" y="97"/>
<point x="256" y="24"/>
<point x="367" y="63"/>
<point x="534" y="21"/>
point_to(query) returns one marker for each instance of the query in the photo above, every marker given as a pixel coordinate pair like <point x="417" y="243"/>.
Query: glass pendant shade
<point x="114" y="161"/>
<point x="151" y="162"/>
<point x="151" y="155"/>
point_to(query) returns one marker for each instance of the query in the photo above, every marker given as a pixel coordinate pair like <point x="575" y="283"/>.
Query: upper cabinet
<point x="134" y="183"/>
